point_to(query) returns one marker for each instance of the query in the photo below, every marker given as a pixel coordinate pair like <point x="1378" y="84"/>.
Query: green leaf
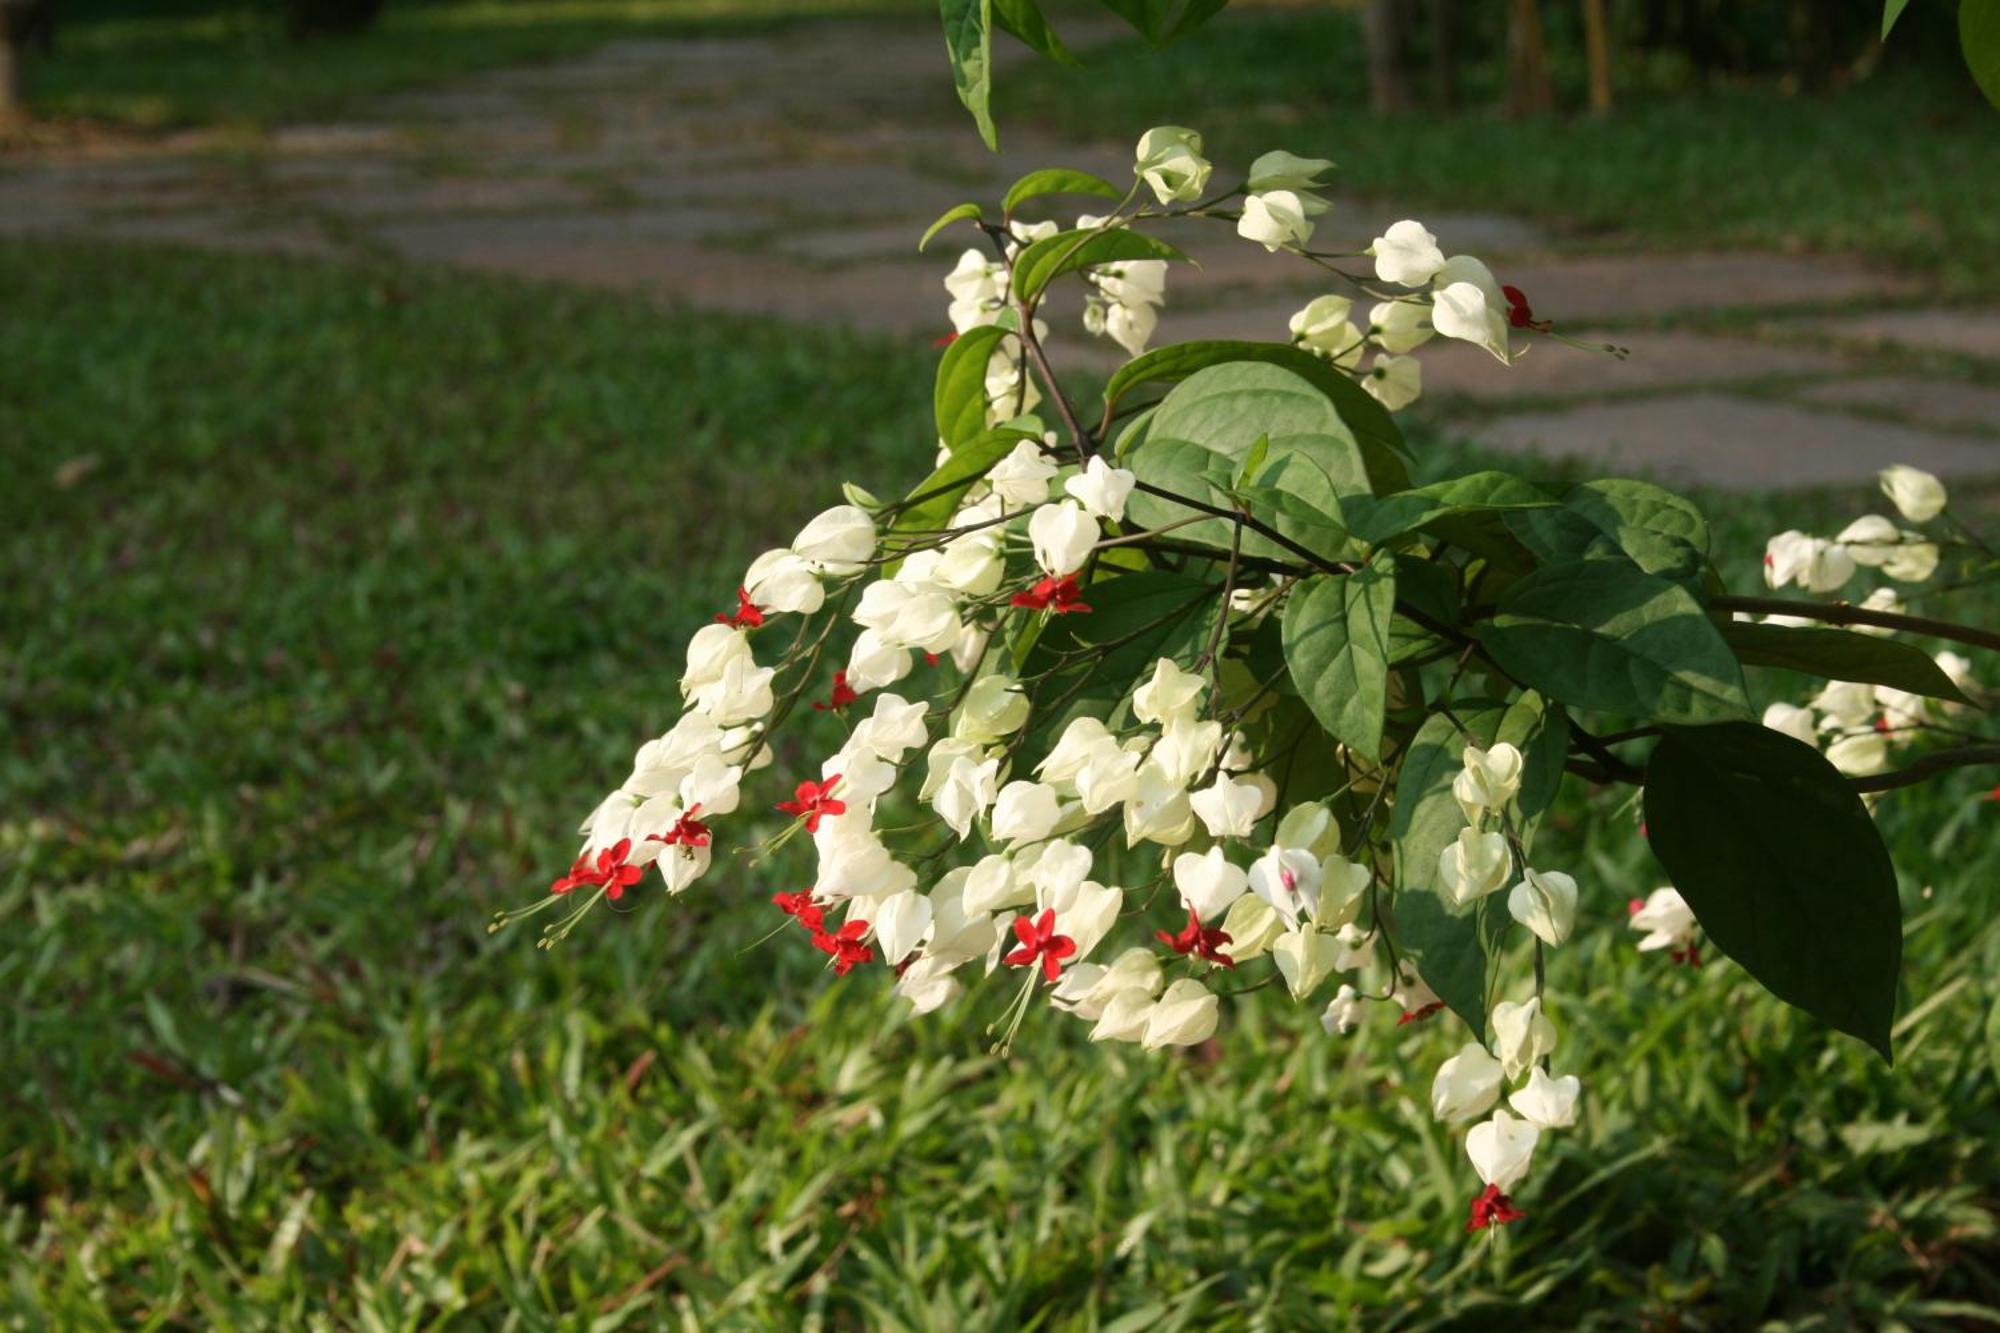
<point x="1840" y="654"/>
<point x="949" y="216"/>
<point x="968" y="40"/>
<point x="1662" y="532"/>
<point x="1979" y="39"/>
<point x="1891" y="11"/>
<point x="1163" y="21"/>
<point x="1783" y="867"/>
<point x="1337" y="646"/>
<point x="1025" y="20"/>
<point x="1379" y="519"/>
<point x="1604" y="634"/>
<point x="1367" y="421"/>
<point x="960" y="396"/>
<point x="1231" y="406"/>
<point x="1067" y="251"/>
<point x="1057" y="180"/>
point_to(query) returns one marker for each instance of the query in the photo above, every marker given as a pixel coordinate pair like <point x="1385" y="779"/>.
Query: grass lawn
<point x="333" y="596"/>
<point x="1905" y="166"/>
<point x="170" y="63"/>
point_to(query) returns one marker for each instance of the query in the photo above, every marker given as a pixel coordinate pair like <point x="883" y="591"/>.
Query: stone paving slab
<point x="1657" y="360"/>
<point x="1949" y="404"/>
<point x="1966" y="332"/>
<point x="1735" y="443"/>
<point x="1582" y="287"/>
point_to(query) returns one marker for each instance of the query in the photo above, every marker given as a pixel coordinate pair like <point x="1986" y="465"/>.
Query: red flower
<point x="1492" y="1208"/>
<point x="845" y="945"/>
<point x="947" y="340"/>
<point x="1688" y="957"/>
<point x="610" y="873"/>
<point x="1634" y="906"/>
<point x="686" y="832"/>
<point x="1199" y="940"/>
<point x="1419" y="1015"/>
<point x="748" y="614"/>
<point x="1058" y="595"/>
<point x="1994" y="795"/>
<point x="842" y="695"/>
<point x="801" y="905"/>
<point x="815" y="801"/>
<point x="1519" y="313"/>
<point x="930" y="659"/>
<point x="1039" y="940"/>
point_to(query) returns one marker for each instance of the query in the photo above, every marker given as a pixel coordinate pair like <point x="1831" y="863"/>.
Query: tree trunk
<point x="1528" y="90"/>
<point x="1383" y="25"/>
<point x="1444" y="53"/>
<point x="1597" y="41"/>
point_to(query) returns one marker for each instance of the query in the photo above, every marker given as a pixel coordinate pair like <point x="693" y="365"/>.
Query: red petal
<point x="1024" y="931"/>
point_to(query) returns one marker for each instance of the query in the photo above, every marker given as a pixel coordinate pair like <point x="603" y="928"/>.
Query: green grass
<point x="1905" y="166"/>
<point x="203" y="62"/>
<point x="334" y="595"/>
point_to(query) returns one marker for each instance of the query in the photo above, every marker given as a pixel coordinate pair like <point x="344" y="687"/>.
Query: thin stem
<point x="1965" y="756"/>
<point x="1843" y="614"/>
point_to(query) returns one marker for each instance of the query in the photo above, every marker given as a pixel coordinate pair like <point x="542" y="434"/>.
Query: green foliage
<point x="1781" y="862"/>
<point x="1839" y="654"/>
<point x="1337" y="646"/>
<point x="1071" y="251"/>
<point x="957" y="213"/>
<point x="1057" y="180"/>
<point x="959" y="400"/>
<point x="1979" y="38"/>
<point x="968" y="41"/>
<point x="328" y="587"/>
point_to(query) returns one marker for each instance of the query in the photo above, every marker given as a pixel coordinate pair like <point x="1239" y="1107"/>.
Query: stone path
<point x="790" y="173"/>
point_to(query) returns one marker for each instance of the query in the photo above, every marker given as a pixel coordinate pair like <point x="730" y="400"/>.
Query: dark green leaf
<point x="1663" y="533"/>
<point x="1840" y="654"/>
<point x="1025" y="20"/>
<point x="1891" y="11"/>
<point x="949" y="216"/>
<point x="1231" y="406"/>
<point x="960" y="396"/>
<point x="1379" y="519"/>
<point x="1337" y="646"/>
<point x="945" y="487"/>
<point x="1087" y="663"/>
<point x="1058" y="180"/>
<point x="1783" y="867"/>
<point x="1367" y="421"/>
<point x="1604" y="634"/>
<point x="1540" y="731"/>
<point x="968" y="40"/>
<point x="1067" y="251"/>
<point x="1162" y="21"/>
<point x="1979" y="39"/>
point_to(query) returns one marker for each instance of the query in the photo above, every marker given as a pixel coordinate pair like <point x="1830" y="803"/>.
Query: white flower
<point x="928" y="984"/>
<point x="1022" y="478"/>
<point x="1027" y="233"/>
<point x="1170" y="694"/>
<point x="782" y="581"/>
<point x="900" y="922"/>
<point x="894" y="728"/>
<point x="978" y="288"/>
<point x="1871" y="540"/>
<point x="875" y="662"/>
<point x="991" y="884"/>
<point x="1025" y="812"/>
<point x="1407" y="255"/>
<point x="1917" y="495"/>
<point x="1959" y="671"/>
<point x="1547" y="1102"/>
<point x="1523" y="1032"/>
<point x="1208" y="883"/>
<point x="1793" y="721"/>
<point x="837" y="542"/>
<point x="1252" y="927"/>
<point x="1124" y="1016"/>
<point x="968" y="788"/>
<point x="1280" y="170"/>
<point x="1132" y="282"/>
<point x="994" y="708"/>
<point x="1102" y="489"/>
<point x="1666" y="919"/>
<point x="1846" y="705"/>
<point x="1157" y="809"/>
<point x="1901" y="709"/>
<point x="1466" y="1086"/>
<point x="1288" y="878"/>
<point x="1087" y="989"/>
<point x="1815" y="564"/>
<point x="711" y="651"/>
<point x="1501" y="1149"/>
<point x="1130" y="326"/>
<point x="1170" y="162"/>
<point x="1489" y="780"/>
<point x="907" y="615"/>
<point x="1343" y="1012"/>
<point x="1184" y="1016"/>
<point x="1545" y="902"/>
<point x="741" y="693"/>
<point x="1395" y="381"/>
<point x="1054" y="869"/>
<point x="1305" y="957"/>
<point x="1081" y="741"/>
<point x="1467" y="304"/>
<point x="1275" y="219"/>
<point x="1473" y="866"/>
<point x="1401" y="327"/>
<point x="1185" y="748"/>
<point x="1227" y="807"/>
<point x="1913" y="561"/>
<point x="1860" y="754"/>
<point x="1310" y="824"/>
<point x="1322" y="325"/>
<point x="1063" y="535"/>
<point x="970" y="566"/>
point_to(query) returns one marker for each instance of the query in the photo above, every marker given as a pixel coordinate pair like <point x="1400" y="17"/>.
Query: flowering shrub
<point x="1196" y="692"/>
